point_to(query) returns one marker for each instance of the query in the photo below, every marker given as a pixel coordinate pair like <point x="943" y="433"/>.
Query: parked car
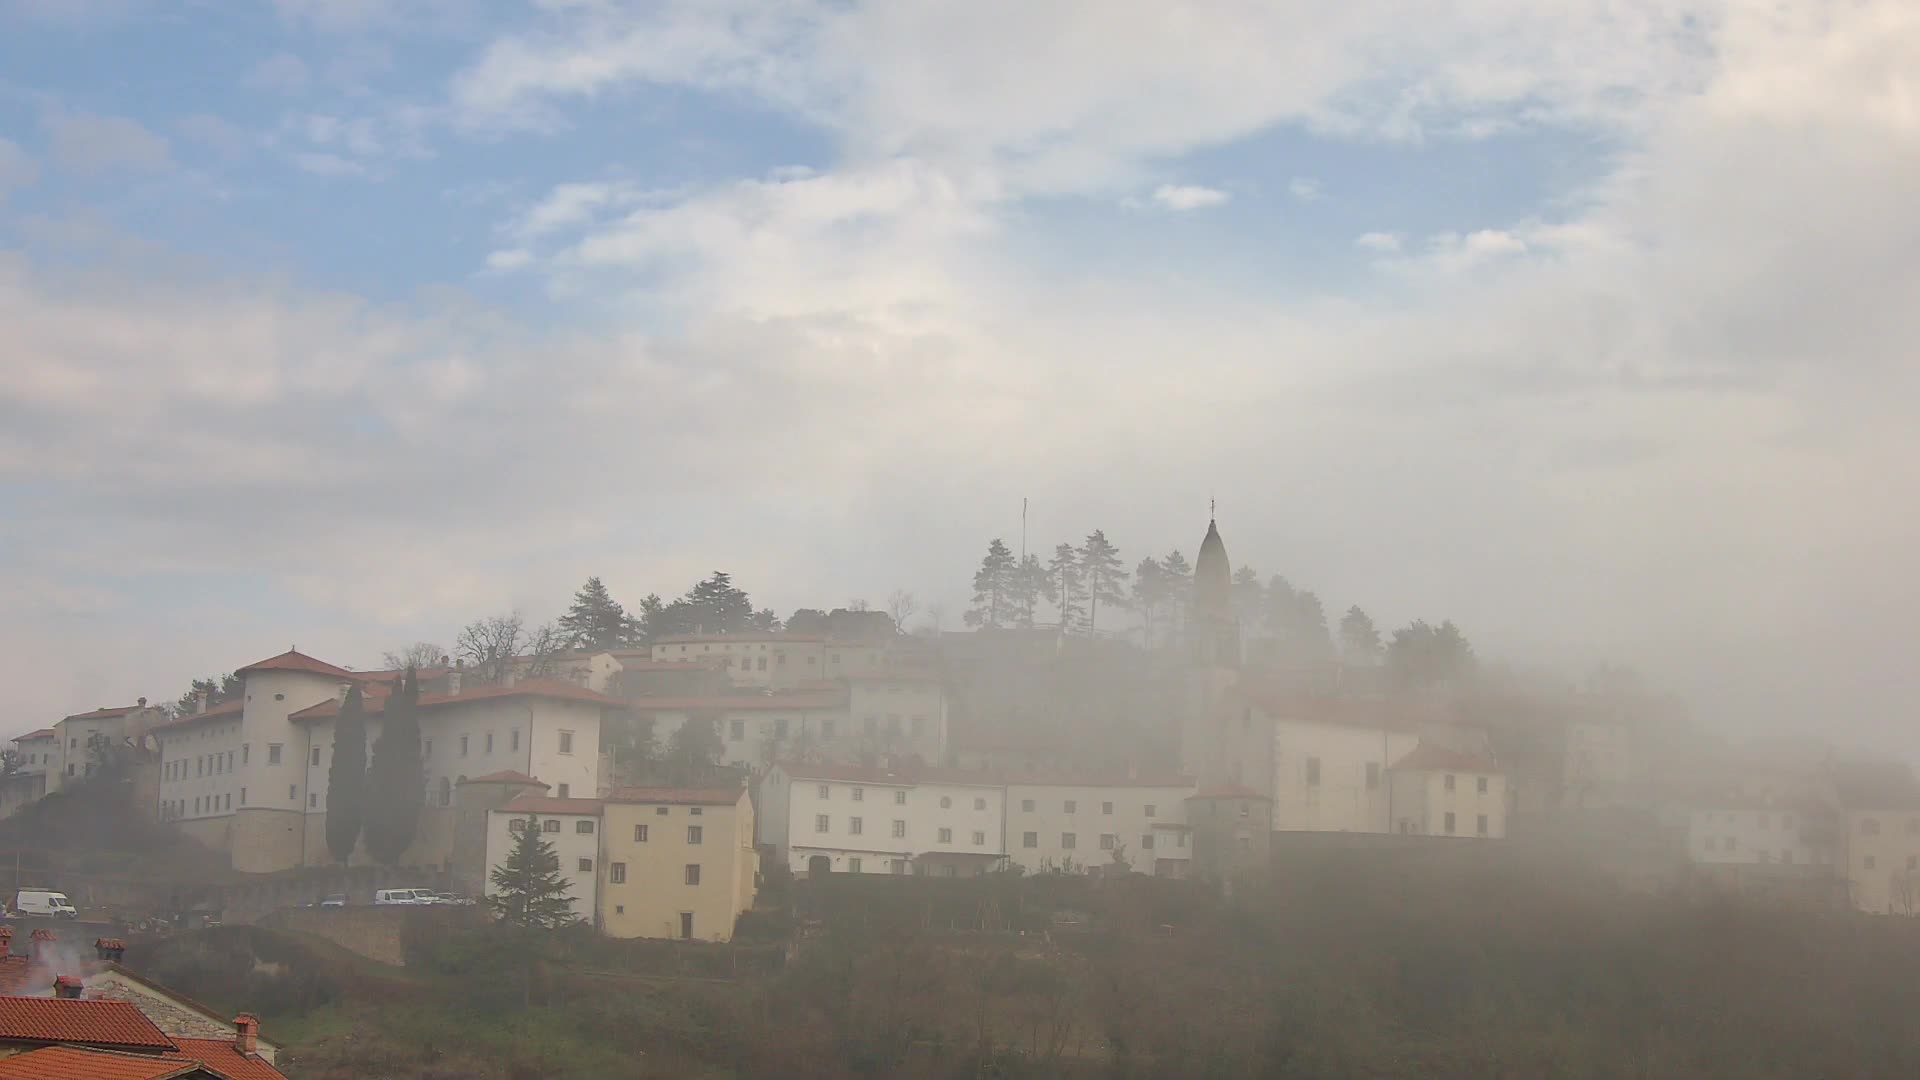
<point x="444" y="897"/>
<point x="334" y="900"/>
<point x="44" y="902"/>
<point x="386" y="897"/>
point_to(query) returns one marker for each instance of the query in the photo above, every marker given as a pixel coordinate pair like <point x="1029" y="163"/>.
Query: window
<point x="243" y="796"/>
<point x="244" y="747"/>
<point x="854" y="825"/>
<point x="825" y="791"/>
<point x="583" y="827"/>
<point x="1026" y="806"/>
<point x="1106" y="808"/>
<point x="1179" y="839"/>
<point x="1449" y="823"/>
<point x="566" y="742"/>
<point x="1073" y="805"/>
<point x="1481" y="825"/>
<point x="1373" y="775"/>
<point x="1030" y="840"/>
<point x="1449" y="784"/>
<point x="273" y="753"/>
<point x="1869" y="827"/>
<point x="463" y="746"/>
<point x="899" y="798"/>
<point x="313" y="801"/>
<point x="821" y="823"/>
<point x="1107" y="840"/>
<point x="426" y="748"/>
<point x="316" y="755"/>
<point x="564" y="791"/>
<point x="552" y="825"/>
<point x="853" y="864"/>
<point x="619" y="909"/>
<point x="979" y="838"/>
<point x="515" y="825"/>
<point x="738" y="728"/>
<point x="695" y="833"/>
<point x="693" y="811"/>
<point x="1313" y="772"/>
<point x="617" y="873"/>
<point x="513" y="739"/>
<point x="760" y="664"/>
<point x="859" y="794"/>
<point x="640" y="833"/>
<point x="946" y="802"/>
<point x="586" y="866"/>
<point x="946" y="836"/>
<point x="979" y="804"/>
<point x="660" y="811"/>
<point x="489" y="742"/>
<point x="899" y="829"/>
<point x="1867" y="863"/>
<point x="693" y="878"/>
<point x="1067" y="840"/>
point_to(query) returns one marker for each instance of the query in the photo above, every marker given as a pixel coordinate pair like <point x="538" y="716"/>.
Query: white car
<point x="387" y="897"/>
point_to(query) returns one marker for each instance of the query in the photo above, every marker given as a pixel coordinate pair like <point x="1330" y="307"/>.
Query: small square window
<point x="693" y="873"/>
<point x="1146" y="841"/>
<point x="584" y="827"/>
<point x="853" y="864"/>
<point x="1107" y="840"/>
<point x="1072" y="806"/>
<point x="1031" y="840"/>
<point x="1106" y="808"/>
<point x="693" y="811"/>
<point x="854" y="825"/>
<point x="617" y="873"/>
<point x="694" y="834"/>
<point x="824" y="791"/>
<point x="1067" y="840"/>
<point x="946" y="836"/>
<point x="822" y="823"/>
<point x="859" y="794"/>
<point x="1026" y="806"/>
<point x="640" y="833"/>
<point x="979" y="804"/>
<point x="979" y="838"/>
<point x="1480" y="785"/>
<point x="1151" y="811"/>
<point x="273" y="753"/>
<point x="566" y="742"/>
<point x="899" y="830"/>
<point x="899" y="798"/>
<point x="586" y="866"/>
<point x="1449" y="782"/>
<point x="660" y="811"/>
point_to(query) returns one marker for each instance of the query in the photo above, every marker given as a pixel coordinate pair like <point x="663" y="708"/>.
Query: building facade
<point x="1090" y="824"/>
<point x="1437" y="791"/>
<point x="828" y="818"/>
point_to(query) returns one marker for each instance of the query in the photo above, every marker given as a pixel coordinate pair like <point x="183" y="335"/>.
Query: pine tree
<point x="528" y="891"/>
<point x="395" y="782"/>
<point x="1359" y="640"/>
<point x="694" y="748"/>
<point x="993" y="587"/>
<point x="1150" y="595"/>
<point x="347" y="778"/>
<point x="1101" y="575"/>
<point x="1249" y="596"/>
<point x="1179" y="575"/>
<point x="1029" y="585"/>
<point x="1422" y="655"/>
<point x="1063" y="587"/>
<point x="597" y="621"/>
<point x="652" y="618"/>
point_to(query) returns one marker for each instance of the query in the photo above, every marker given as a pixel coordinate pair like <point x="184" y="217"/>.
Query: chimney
<point x="143" y="703"/>
<point x="200" y="703"/>
<point x="40" y="944"/>
<point x="246" y="1033"/>
<point x="6" y="940"/>
<point x="110" y="948"/>
<point x="453" y="682"/>
<point x="340" y="693"/>
<point x="67" y="986"/>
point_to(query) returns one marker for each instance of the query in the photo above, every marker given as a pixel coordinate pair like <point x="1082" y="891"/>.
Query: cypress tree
<point x="396" y="786"/>
<point x="347" y="777"/>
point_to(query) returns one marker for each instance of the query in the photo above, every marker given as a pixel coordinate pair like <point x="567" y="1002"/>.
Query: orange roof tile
<point x="292" y="660"/>
<point x="224" y="710"/>
<point x="506" y="776"/>
<point x="1090" y="780"/>
<point x="1431" y="757"/>
<point x="43" y="733"/>
<point x="754" y="635"/>
<point x="542" y="804"/>
<point x="740" y="702"/>
<point x="81" y="1063"/>
<point x="678" y="796"/>
<point x="900" y="776"/>
<point x="114" y="1024"/>
<point x="224" y="1058"/>
<point x="104" y="713"/>
<point x="551" y="689"/>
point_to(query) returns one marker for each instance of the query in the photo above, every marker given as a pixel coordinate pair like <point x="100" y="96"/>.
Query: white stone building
<point x="70" y="756"/>
<point x="36" y="750"/>
<point x="1742" y="830"/>
<point x="824" y="818"/>
<point x="1082" y="823"/>
<point x="572" y="826"/>
<point x="1437" y="791"/>
<point x="777" y="660"/>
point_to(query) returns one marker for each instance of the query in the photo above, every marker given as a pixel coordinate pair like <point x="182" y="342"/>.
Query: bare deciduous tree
<point x="420" y="654"/>
<point x="901" y="605"/>
<point x="498" y="645"/>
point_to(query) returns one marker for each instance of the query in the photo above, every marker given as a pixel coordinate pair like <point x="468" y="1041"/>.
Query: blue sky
<point x="343" y="322"/>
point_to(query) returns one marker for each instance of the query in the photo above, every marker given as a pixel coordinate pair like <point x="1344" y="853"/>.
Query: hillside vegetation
<point x="1349" y="965"/>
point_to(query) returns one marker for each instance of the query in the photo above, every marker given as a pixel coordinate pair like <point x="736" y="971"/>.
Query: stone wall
<point x="377" y="933"/>
<point x="266" y="840"/>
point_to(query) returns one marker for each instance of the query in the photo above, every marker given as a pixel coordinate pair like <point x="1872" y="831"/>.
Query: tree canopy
<point x="597" y="621"/>
<point x="1422" y="655"/>
<point x="528" y="891"/>
<point x="1102" y="575"/>
<point x="347" y="778"/>
<point x="994" y="586"/>
<point x="396" y="784"/>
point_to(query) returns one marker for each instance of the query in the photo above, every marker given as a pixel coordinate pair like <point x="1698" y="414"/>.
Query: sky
<point x="1588" y="325"/>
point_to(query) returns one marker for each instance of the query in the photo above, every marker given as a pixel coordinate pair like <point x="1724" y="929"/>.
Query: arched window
<point x="446" y="792"/>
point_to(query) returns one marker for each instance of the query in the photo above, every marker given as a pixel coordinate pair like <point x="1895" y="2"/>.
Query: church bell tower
<point x="1209" y="748"/>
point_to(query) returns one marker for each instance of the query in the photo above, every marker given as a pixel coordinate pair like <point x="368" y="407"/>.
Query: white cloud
<point x="508" y="259"/>
<point x="282" y="73"/>
<point x="319" y="164"/>
<point x="89" y="143"/>
<point x="1382" y="242"/>
<point x="216" y="134"/>
<point x="1189" y="196"/>
<point x="17" y="169"/>
<point x="1304" y="188"/>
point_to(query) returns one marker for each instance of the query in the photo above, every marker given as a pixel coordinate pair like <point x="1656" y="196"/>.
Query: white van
<point x="400" y="896"/>
<point x="44" y="902"/>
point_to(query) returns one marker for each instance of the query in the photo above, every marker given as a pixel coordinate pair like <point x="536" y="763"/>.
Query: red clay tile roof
<point x="81" y="1063"/>
<point x="104" y="713"/>
<point x="506" y="776"/>
<point x="1430" y="757"/>
<point x="224" y="1058"/>
<point x="112" y="1024"/>
<point x="542" y="804"/>
<point x="551" y="689"/>
<point x="634" y="660"/>
<point x="678" y="796"/>
<point x="1343" y="712"/>
<point x="756" y="635"/>
<point x="1229" y="791"/>
<point x="43" y="733"/>
<point x="296" y="661"/>
<point x="226" y="709"/>
<point x="1093" y="781"/>
<point x="901" y="776"/>
<point x="835" y="699"/>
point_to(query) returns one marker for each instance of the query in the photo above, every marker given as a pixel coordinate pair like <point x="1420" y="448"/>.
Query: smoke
<point x="51" y="959"/>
